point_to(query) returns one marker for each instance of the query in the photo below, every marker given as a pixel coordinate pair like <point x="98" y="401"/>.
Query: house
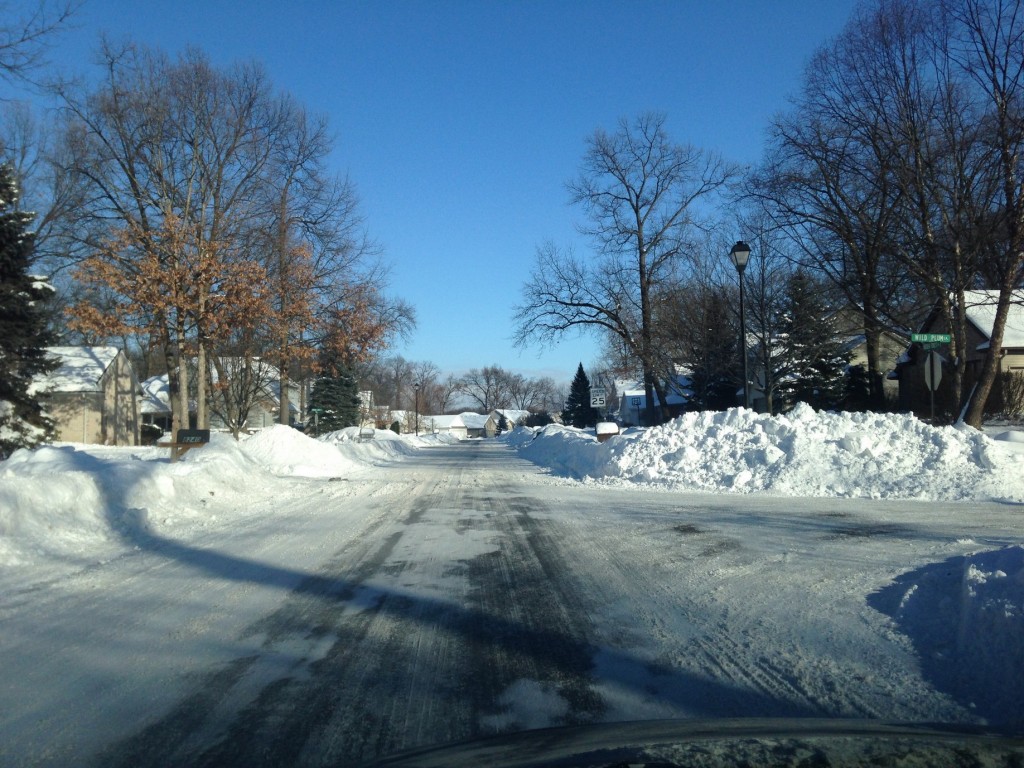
<point x="263" y="381"/>
<point x="155" y="403"/>
<point x="850" y="325"/>
<point x="91" y="396"/>
<point x="444" y="425"/>
<point x="632" y="402"/>
<point x="979" y="311"/>
<point x="513" y="419"/>
<point x="155" y="408"/>
<point x="476" y="424"/>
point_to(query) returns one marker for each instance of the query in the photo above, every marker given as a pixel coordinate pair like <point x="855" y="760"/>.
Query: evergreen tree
<point x="815" y="361"/>
<point x="709" y="349"/>
<point x="578" y="411"/>
<point x="502" y="424"/>
<point x="541" y="419"/>
<point x="335" y="400"/>
<point x="23" y="332"/>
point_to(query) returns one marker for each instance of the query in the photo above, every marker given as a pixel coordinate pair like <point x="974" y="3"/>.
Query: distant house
<point x="632" y="402"/>
<point x="444" y="425"/>
<point x="850" y="325"/>
<point x="91" y="396"/>
<point x="155" y="402"/>
<point x="476" y="424"/>
<point x="979" y="311"/>
<point x="513" y="418"/>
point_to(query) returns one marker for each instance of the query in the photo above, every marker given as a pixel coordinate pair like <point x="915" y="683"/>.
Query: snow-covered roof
<point x="473" y="420"/>
<point x="444" y="421"/>
<point x="80" y="368"/>
<point x="980" y="308"/>
<point x="512" y="415"/>
<point x="155" y="395"/>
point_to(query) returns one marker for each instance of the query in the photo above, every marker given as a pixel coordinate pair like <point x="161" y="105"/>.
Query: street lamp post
<point x="739" y="254"/>
<point x="416" y="388"/>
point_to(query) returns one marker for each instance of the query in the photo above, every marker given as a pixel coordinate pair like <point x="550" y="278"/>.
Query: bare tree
<point x="432" y="393"/>
<point x="312" y="237"/>
<point x="828" y="183"/>
<point x="487" y="387"/>
<point x="640" y="192"/>
<point x="26" y="35"/>
<point x="390" y="378"/>
<point x="242" y="381"/>
<point x="447" y="390"/>
<point x="176" y="155"/>
<point x="766" y="278"/>
<point x="898" y="170"/>
<point x="528" y="394"/>
<point x="893" y="78"/>
<point x="988" y="46"/>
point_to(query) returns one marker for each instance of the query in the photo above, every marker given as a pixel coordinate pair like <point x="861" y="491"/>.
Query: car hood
<point x="729" y="742"/>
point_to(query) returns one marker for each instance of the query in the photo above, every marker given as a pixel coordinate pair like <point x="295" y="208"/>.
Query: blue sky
<point x="461" y="121"/>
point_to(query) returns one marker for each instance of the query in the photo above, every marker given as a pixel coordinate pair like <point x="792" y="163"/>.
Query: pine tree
<point x="335" y="400"/>
<point x="23" y="332"/>
<point x="815" y="361"/>
<point x="578" y="411"/>
<point x="710" y="351"/>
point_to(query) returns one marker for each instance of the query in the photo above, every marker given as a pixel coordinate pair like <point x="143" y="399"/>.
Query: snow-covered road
<point x="465" y="592"/>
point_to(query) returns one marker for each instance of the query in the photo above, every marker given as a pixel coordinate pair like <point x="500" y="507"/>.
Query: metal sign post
<point x="932" y="376"/>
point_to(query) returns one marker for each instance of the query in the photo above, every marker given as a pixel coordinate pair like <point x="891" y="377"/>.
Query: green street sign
<point x="931" y="338"/>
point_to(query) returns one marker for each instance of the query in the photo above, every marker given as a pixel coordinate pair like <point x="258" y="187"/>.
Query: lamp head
<point x="739" y="254"/>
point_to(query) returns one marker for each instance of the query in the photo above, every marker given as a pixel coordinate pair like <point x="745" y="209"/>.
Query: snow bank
<point x="286" y="451"/>
<point x="384" y="446"/>
<point x="69" y="500"/>
<point x="965" y="618"/>
<point x="802" y="453"/>
<point x="66" y="499"/>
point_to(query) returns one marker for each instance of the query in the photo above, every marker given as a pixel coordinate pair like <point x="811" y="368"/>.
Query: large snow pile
<point x="384" y="445"/>
<point x="286" y="451"/>
<point x="65" y="499"/>
<point x="801" y="453"/>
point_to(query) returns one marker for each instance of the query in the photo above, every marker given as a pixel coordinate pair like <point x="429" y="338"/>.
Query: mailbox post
<point x="186" y="439"/>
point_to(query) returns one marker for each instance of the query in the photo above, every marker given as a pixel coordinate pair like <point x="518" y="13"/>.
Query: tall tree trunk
<point x="282" y="276"/>
<point x="182" y="368"/>
<point x="990" y="368"/>
<point x="172" y="362"/>
<point x="202" y="377"/>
